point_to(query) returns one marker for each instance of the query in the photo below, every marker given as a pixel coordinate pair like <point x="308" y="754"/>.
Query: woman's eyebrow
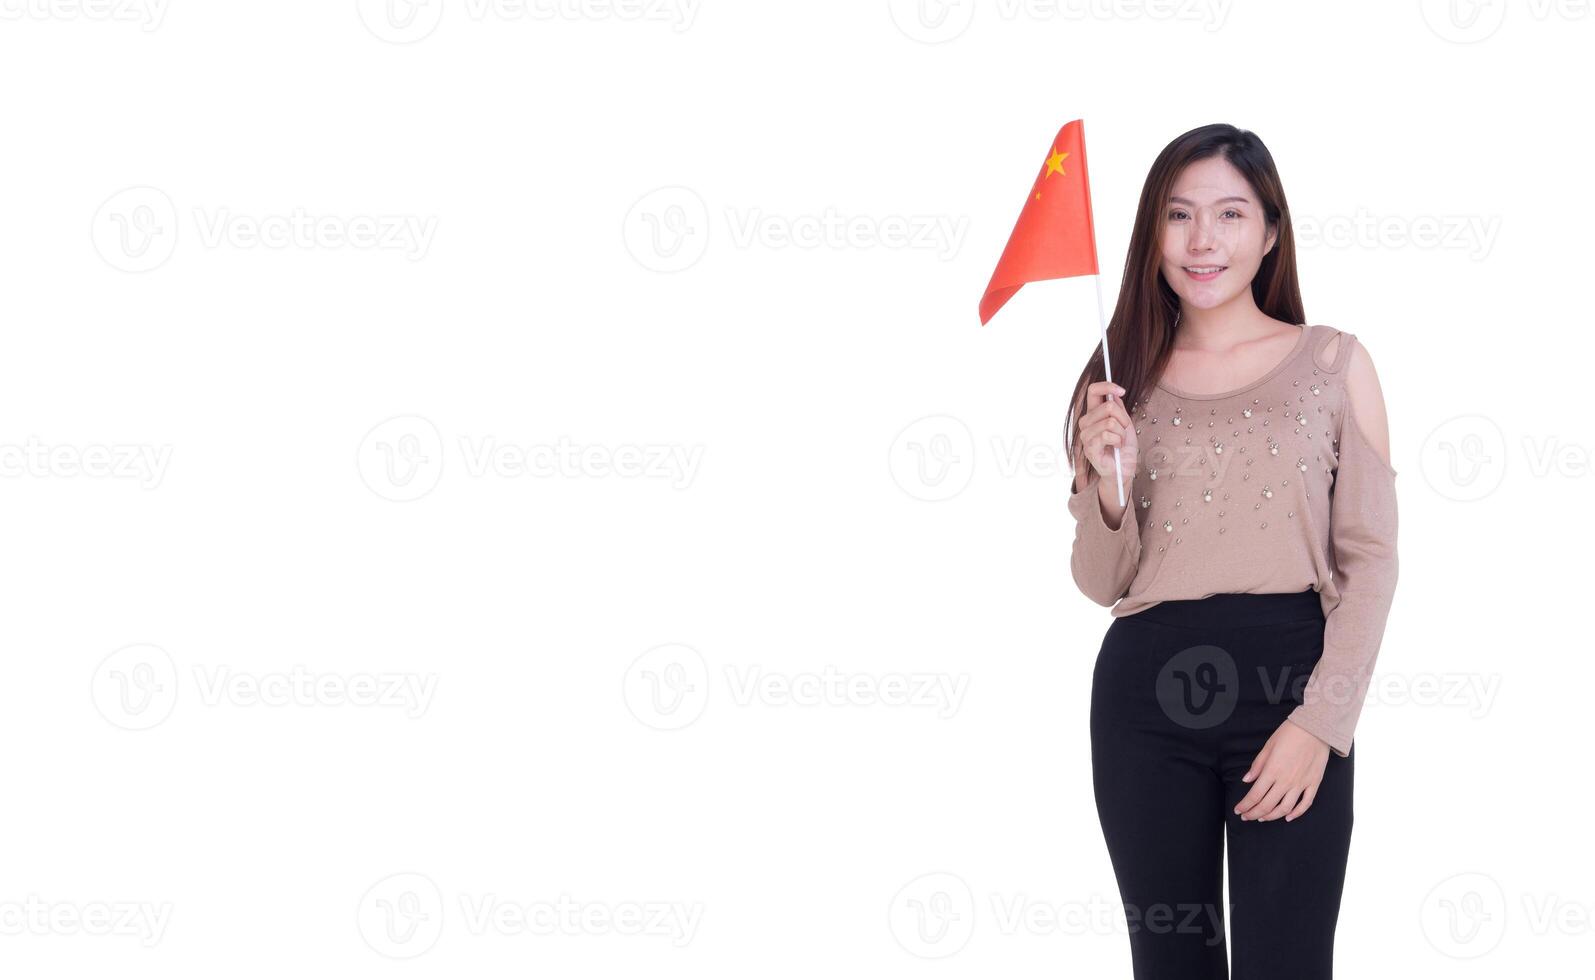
<point x="1222" y="200"/>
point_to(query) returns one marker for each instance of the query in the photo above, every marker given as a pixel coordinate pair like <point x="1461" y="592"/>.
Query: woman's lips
<point x="1213" y="272"/>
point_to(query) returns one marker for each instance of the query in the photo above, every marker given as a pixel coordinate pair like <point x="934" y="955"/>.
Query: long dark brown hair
<point x="1141" y="330"/>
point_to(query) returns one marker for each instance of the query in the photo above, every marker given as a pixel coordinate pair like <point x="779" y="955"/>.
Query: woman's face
<point x="1213" y="221"/>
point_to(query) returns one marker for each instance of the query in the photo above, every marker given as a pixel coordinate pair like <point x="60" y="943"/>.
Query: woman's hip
<point x="1196" y="665"/>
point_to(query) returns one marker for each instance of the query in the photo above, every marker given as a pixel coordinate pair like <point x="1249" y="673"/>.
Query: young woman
<point x="1250" y="573"/>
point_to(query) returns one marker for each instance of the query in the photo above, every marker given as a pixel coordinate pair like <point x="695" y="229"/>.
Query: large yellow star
<point x="1055" y="163"/>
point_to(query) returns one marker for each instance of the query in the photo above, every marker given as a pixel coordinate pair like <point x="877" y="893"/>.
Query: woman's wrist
<point x="1108" y="501"/>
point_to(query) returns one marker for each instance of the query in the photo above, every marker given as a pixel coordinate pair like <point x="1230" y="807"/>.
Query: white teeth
<point x="1204" y="270"/>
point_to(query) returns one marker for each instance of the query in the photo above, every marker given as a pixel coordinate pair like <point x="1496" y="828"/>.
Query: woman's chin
<point x="1197" y="296"/>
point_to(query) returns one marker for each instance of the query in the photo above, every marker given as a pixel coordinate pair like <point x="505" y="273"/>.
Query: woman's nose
<point x="1201" y="237"/>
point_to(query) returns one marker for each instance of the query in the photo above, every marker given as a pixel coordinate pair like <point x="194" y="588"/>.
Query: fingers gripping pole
<point x="1107" y="370"/>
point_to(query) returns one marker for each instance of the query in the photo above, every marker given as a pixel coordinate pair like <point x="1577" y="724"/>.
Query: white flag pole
<point x="1107" y="371"/>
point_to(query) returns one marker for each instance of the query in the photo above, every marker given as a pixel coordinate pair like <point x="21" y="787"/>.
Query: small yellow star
<point x="1055" y="162"/>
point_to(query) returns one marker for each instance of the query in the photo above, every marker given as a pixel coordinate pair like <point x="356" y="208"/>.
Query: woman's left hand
<point x="1287" y="773"/>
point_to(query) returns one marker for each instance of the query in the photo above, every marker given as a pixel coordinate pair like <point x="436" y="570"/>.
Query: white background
<point x="594" y="231"/>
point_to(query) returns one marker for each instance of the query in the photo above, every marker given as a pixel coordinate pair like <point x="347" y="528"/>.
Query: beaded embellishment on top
<point x="1211" y="462"/>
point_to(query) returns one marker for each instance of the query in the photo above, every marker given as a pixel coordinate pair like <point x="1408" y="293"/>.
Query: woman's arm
<point x="1362" y="532"/>
<point x="1107" y="539"/>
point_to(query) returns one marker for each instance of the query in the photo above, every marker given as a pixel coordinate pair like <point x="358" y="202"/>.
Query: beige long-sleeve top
<point x="1267" y="488"/>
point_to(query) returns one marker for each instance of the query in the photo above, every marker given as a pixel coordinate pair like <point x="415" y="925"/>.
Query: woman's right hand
<point x="1104" y="425"/>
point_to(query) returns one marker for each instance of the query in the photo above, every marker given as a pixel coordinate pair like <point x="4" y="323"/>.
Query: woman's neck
<point x="1223" y="327"/>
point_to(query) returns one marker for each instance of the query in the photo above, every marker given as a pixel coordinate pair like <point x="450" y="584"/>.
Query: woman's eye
<point x="1232" y="213"/>
<point x="1176" y="214"/>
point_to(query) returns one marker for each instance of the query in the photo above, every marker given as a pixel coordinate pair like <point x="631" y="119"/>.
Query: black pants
<point x="1183" y="697"/>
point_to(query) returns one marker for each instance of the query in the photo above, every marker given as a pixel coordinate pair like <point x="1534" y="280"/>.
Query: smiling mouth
<point x="1204" y="271"/>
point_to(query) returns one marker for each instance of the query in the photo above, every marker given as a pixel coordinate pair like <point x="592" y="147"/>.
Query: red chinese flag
<point x="1053" y="238"/>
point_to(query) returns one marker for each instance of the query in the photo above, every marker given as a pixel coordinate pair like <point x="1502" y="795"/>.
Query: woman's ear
<point x="1273" y="236"/>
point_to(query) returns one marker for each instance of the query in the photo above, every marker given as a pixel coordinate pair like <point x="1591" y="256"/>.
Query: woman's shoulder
<point x="1340" y="352"/>
<point x="1337" y="351"/>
